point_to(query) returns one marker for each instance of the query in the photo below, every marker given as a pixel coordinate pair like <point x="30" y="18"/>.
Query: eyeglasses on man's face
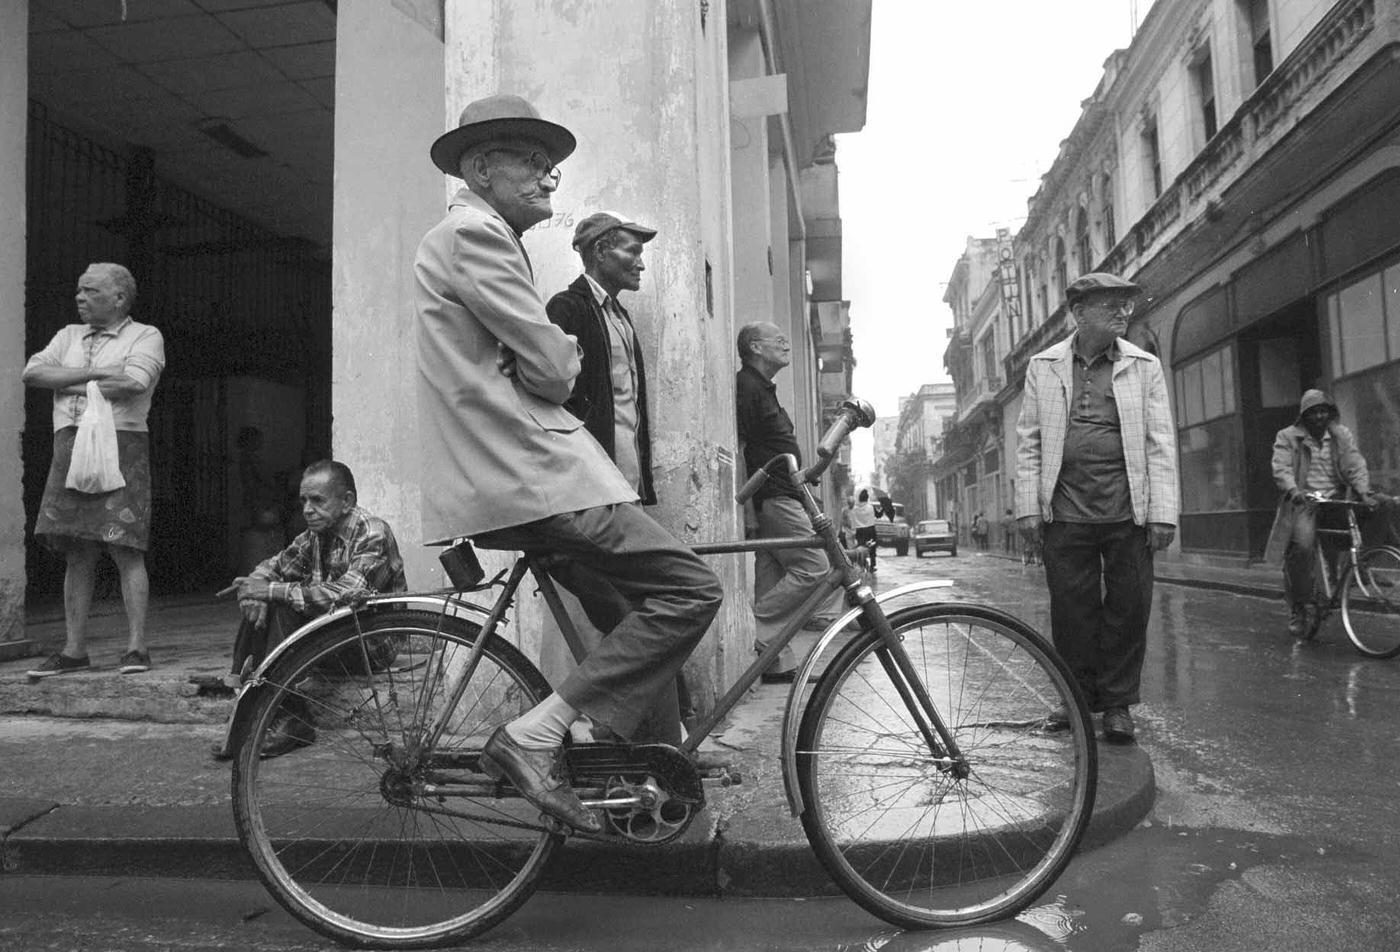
<point x="540" y="165"/>
<point x="780" y="341"/>
<point x="1124" y="307"/>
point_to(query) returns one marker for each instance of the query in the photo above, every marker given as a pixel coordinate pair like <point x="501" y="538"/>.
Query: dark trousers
<point x="1300" y="558"/>
<point x="253" y="643"/>
<point x="1100" y="581"/>
<point x="865" y="536"/>
<point x="621" y="556"/>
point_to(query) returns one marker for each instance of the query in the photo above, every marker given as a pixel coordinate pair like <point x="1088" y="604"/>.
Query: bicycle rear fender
<point x="425" y="601"/>
<point x="792" y="717"/>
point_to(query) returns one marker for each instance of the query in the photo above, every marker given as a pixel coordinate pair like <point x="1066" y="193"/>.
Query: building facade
<point x="1220" y="163"/>
<point x="265" y="171"/>
<point x="918" y="441"/>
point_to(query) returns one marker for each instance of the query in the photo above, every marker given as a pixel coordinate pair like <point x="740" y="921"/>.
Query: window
<point x="989" y="359"/>
<point x="1061" y="267"/>
<point x="1152" y="157"/>
<point x="1212" y="466"/>
<point x="1363" y="322"/>
<point x="1110" y="233"/>
<point x="1203" y="87"/>
<point x="1259" y="38"/>
<point x="1044" y="299"/>
<point x="1081" y="242"/>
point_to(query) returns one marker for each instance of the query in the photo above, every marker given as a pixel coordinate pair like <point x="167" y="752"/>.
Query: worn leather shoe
<point x="1118" y="725"/>
<point x="288" y="733"/>
<point x="1058" y="719"/>
<point x="539" y="776"/>
<point x="1298" y="620"/>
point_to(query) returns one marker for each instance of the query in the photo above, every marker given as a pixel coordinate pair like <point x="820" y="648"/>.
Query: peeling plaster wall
<point x="387" y="195"/>
<point x="14" y="85"/>
<point x="651" y="118"/>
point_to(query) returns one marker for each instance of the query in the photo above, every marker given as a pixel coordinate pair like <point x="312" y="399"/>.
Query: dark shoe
<point x="1118" y="725"/>
<point x="539" y="776"/>
<point x="1058" y="719"/>
<point x="59" y="663"/>
<point x="135" y="662"/>
<point x="1298" y="620"/>
<point x="287" y="733"/>
<point x="220" y="752"/>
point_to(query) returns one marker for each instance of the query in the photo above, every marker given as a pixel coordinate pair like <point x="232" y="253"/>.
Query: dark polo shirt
<point x="1093" y="483"/>
<point x="765" y="429"/>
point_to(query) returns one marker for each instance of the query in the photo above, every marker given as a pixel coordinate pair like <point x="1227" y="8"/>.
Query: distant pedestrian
<point x="125" y="360"/>
<point x="1008" y="532"/>
<point x="979" y="531"/>
<point x="863" y="522"/>
<point x="1096" y="480"/>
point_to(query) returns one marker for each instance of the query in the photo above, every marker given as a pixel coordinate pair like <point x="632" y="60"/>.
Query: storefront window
<point x="1212" y="474"/>
<point x="1205" y="388"/>
<point x="1365" y="332"/>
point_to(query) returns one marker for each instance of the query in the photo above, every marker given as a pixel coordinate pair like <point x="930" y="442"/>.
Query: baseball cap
<point x="600" y="223"/>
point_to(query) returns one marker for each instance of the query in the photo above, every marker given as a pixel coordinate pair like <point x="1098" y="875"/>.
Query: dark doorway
<point x="1279" y="357"/>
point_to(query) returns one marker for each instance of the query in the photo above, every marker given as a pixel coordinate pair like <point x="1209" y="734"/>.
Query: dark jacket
<point x="576" y="312"/>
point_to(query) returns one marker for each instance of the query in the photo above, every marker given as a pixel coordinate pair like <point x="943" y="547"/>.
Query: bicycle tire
<point x="1371" y="602"/>
<point x="335" y="829"/>
<point x="911" y="843"/>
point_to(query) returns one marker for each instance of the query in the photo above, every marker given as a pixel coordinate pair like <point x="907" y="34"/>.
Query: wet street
<point x="1275" y="827"/>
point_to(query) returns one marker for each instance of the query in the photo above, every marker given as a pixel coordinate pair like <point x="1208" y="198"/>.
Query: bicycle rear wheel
<point x="1371" y="603"/>
<point x="898" y="831"/>
<point x="341" y="830"/>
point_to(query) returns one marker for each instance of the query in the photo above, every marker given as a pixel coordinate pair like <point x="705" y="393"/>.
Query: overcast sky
<point x="968" y="103"/>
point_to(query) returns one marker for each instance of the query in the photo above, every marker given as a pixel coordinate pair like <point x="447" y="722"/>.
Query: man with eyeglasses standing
<point x="505" y="464"/>
<point x="782" y="578"/>
<point x="1096" y="481"/>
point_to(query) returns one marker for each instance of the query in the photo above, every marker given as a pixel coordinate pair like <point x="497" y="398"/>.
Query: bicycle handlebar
<point x="850" y="415"/>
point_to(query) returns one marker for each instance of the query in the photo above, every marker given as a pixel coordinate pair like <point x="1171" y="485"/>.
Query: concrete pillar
<point x="14" y="96"/>
<point x="387" y="194"/>
<point x="650" y="117"/>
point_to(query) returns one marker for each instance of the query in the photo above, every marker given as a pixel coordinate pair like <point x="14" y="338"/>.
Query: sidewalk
<point x="1263" y="581"/>
<point x="110" y="774"/>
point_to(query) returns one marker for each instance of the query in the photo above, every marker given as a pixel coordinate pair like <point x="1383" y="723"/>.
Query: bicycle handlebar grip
<point x="831" y="442"/>
<point x="754" y="484"/>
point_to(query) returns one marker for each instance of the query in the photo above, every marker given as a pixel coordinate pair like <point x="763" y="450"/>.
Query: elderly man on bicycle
<point x="507" y="465"/>
<point x="1316" y="454"/>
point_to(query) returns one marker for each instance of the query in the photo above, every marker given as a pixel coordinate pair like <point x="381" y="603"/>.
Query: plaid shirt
<point x="357" y="558"/>
<point x="1149" y="439"/>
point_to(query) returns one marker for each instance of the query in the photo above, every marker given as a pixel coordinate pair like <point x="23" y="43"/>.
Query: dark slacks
<point x="254" y="643"/>
<point x="620" y="555"/>
<point x="1300" y="558"/>
<point x="1100" y="581"/>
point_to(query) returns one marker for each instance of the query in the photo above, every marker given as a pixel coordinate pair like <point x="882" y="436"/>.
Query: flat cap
<point x="599" y="224"/>
<point x="1098" y="283"/>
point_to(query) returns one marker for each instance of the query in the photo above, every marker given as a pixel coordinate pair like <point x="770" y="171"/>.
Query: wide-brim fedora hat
<point x="502" y="116"/>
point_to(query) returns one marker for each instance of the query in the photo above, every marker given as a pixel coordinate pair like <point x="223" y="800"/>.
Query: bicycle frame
<point x="1347" y="559"/>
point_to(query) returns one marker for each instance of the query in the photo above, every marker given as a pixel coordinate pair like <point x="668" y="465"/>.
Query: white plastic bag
<point x="95" y="466"/>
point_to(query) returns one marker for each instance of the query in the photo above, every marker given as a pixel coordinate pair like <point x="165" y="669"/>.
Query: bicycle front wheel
<point x="351" y="830"/>
<point x="1371" y="603"/>
<point x="893" y="823"/>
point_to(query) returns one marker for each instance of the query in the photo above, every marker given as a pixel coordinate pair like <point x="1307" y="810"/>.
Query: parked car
<point x="896" y="533"/>
<point x="935" y="535"/>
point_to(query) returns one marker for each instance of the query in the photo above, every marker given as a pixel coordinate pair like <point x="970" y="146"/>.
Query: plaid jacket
<point x="1149" y="439"/>
<point x="358" y="557"/>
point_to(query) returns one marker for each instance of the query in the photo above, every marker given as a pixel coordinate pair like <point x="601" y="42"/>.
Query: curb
<point x="735" y="847"/>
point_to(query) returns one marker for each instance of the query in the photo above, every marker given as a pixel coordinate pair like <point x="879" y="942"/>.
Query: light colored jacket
<point x="496" y="451"/>
<point x="1292" y="459"/>
<point x="1145" y="420"/>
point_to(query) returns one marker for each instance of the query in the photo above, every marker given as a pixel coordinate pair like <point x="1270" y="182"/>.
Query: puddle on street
<point x="1154" y="878"/>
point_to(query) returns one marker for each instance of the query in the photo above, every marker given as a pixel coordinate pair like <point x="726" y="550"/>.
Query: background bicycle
<point x="1363" y="581"/>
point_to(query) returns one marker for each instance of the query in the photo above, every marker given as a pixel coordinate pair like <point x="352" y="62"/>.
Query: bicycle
<point x="923" y="766"/>
<point x="1365" y="585"/>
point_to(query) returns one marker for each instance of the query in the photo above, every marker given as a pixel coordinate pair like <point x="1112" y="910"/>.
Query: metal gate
<point x="230" y="297"/>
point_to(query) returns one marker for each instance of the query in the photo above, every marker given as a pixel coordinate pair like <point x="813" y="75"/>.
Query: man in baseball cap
<point x="506" y="465"/>
<point x="610" y="393"/>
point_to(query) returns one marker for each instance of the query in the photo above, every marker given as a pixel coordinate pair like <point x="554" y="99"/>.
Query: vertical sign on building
<point x="1010" y="284"/>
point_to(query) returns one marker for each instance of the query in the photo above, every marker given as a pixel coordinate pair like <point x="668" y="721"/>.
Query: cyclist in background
<point x="1314" y="454"/>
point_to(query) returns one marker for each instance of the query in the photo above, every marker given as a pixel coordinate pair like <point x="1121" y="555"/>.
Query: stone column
<point x="651" y="118"/>
<point x="14" y="95"/>
<point x="387" y="195"/>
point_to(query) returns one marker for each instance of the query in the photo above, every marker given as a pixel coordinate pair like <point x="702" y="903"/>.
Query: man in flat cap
<point x="1096" y="481"/>
<point x="610" y="393"/>
<point x="508" y="466"/>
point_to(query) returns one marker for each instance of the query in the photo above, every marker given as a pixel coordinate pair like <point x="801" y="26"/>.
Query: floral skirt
<point x="120" y="517"/>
